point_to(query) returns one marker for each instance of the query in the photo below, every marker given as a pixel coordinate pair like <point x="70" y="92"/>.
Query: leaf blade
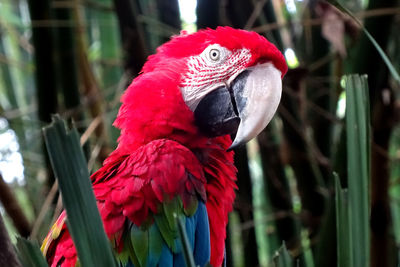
<point x="358" y="167"/>
<point x="84" y="222"/>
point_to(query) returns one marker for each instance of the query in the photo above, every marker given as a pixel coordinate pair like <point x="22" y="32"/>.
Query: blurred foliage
<point x="29" y="253"/>
<point x="77" y="57"/>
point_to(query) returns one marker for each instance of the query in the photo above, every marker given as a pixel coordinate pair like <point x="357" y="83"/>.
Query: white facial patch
<point x="211" y="69"/>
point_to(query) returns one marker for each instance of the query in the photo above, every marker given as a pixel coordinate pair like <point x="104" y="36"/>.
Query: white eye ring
<point x="214" y="54"/>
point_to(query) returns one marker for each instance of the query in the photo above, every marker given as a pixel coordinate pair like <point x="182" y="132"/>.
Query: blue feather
<point x="156" y="246"/>
<point x="202" y="248"/>
<point x="198" y="233"/>
<point x="166" y="258"/>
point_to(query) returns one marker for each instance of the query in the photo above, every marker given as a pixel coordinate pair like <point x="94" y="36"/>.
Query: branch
<point x="13" y="209"/>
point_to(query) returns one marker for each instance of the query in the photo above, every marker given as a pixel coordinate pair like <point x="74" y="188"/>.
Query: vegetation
<point x="319" y="187"/>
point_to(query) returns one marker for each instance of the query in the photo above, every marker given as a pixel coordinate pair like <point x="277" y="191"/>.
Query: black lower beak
<point x="218" y="112"/>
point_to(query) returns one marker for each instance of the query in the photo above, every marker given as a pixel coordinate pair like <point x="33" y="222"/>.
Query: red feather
<point x="161" y="153"/>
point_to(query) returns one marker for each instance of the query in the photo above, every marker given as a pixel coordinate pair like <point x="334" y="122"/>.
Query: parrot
<point x="196" y="99"/>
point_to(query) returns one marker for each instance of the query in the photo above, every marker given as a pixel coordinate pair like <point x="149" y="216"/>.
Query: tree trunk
<point x="45" y="75"/>
<point x="168" y="14"/>
<point x="43" y="42"/>
<point x="66" y="63"/>
<point x="132" y="36"/>
<point x="208" y="14"/>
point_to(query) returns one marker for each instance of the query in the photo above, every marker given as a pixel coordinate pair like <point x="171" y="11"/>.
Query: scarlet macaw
<point x="174" y="153"/>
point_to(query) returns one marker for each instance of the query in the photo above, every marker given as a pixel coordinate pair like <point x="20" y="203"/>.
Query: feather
<point x="201" y="249"/>
<point x="140" y="244"/>
<point x="156" y="245"/>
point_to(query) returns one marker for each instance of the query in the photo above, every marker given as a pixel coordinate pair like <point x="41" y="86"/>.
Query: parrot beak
<point x="245" y="105"/>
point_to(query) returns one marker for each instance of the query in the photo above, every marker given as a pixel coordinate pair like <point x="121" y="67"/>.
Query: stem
<point x="13" y="209"/>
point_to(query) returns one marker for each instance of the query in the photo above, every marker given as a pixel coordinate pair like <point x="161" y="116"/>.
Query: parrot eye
<point x="214" y="54"/>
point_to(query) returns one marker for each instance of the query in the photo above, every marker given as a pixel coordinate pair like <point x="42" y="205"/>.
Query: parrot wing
<point x="139" y="196"/>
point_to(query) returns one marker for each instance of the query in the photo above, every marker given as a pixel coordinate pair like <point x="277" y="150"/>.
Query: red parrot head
<point x="231" y="80"/>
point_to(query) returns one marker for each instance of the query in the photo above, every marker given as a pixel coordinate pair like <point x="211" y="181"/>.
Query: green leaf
<point x="358" y="166"/>
<point x="84" y="222"/>
<point x="282" y="257"/>
<point x="30" y="254"/>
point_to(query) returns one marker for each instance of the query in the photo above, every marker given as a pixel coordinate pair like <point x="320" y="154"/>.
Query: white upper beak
<point x="262" y="93"/>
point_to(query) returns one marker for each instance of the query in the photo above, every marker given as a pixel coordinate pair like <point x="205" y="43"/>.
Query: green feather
<point x="191" y="207"/>
<point x="155" y="245"/>
<point x="140" y="243"/>
<point x="165" y="230"/>
<point x="127" y="252"/>
<point x="166" y="222"/>
<point x="172" y="209"/>
<point x="132" y="255"/>
<point x="143" y="245"/>
<point x="123" y="256"/>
